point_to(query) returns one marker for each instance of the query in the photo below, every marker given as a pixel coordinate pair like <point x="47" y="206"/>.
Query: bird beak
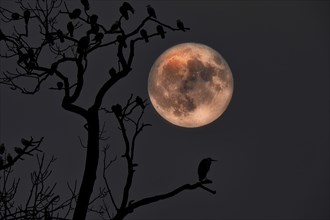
<point x="213" y="160"/>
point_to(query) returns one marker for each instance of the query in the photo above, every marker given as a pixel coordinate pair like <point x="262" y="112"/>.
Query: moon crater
<point x="190" y="85"/>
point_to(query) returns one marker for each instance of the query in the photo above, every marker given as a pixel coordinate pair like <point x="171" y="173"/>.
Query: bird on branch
<point x="180" y="25"/>
<point x="2" y="36"/>
<point x="83" y="44"/>
<point x="204" y="167"/>
<point x="139" y="102"/>
<point x="151" y="11"/>
<point x="70" y="28"/>
<point x="19" y="150"/>
<point x="2" y="148"/>
<point x="26" y="143"/>
<point x="124" y="10"/>
<point x="117" y="109"/>
<point x="161" y="31"/>
<point x="60" y="35"/>
<point x="98" y="37"/>
<point x="26" y="15"/>
<point x="9" y="158"/>
<point x="85" y="3"/>
<point x="112" y="72"/>
<point x="114" y="27"/>
<point x="75" y="13"/>
<point x="15" y="16"/>
<point x="144" y="34"/>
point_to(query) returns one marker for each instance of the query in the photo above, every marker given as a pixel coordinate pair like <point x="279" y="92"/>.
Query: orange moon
<point x="190" y="85"/>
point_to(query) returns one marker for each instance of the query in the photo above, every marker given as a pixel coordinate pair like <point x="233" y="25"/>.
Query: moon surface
<point x="190" y="85"/>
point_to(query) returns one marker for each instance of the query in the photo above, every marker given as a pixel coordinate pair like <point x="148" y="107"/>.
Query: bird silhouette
<point x="114" y="27"/>
<point x="2" y="148"/>
<point x="204" y="167"/>
<point x="117" y="109"/>
<point x="128" y="7"/>
<point x="83" y="44"/>
<point x="15" y="16"/>
<point x="180" y="25"/>
<point x="70" y="28"/>
<point x="151" y="11"/>
<point x="1" y="162"/>
<point x="75" y="13"/>
<point x="19" y="150"/>
<point x="123" y="11"/>
<point x="9" y="158"/>
<point x="140" y="102"/>
<point x="60" y="35"/>
<point x="26" y="143"/>
<point x="161" y="31"/>
<point x="144" y="34"/>
<point x="59" y="85"/>
<point x="2" y="36"/>
<point x="93" y="19"/>
<point x="27" y="15"/>
<point x="112" y="72"/>
<point x="98" y="37"/>
<point x="85" y="3"/>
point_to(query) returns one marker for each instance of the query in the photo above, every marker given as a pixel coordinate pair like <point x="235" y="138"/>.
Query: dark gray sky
<point x="272" y="142"/>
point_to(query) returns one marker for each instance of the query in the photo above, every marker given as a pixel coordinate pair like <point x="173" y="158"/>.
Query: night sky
<point x="272" y="142"/>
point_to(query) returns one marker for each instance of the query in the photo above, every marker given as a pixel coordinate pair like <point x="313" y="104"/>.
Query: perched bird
<point x="125" y="8"/>
<point x="98" y="37"/>
<point x="144" y="34"/>
<point x="204" y="167"/>
<point x="180" y="25"/>
<point x="121" y="40"/>
<point x="128" y="7"/>
<point x="93" y="19"/>
<point x="112" y="72"/>
<point x="26" y="143"/>
<point x="50" y="38"/>
<point x="151" y="11"/>
<point x="123" y="11"/>
<point x="83" y="44"/>
<point x="140" y="102"/>
<point x="60" y="35"/>
<point x="117" y="109"/>
<point x="9" y="158"/>
<point x="15" y="16"/>
<point x="59" y="85"/>
<point x="94" y="29"/>
<point x="85" y="3"/>
<point x="2" y="36"/>
<point x="75" y="13"/>
<point x="1" y="162"/>
<point x="27" y="15"/>
<point x="114" y="27"/>
<point x="19" y="150"/>
<point x="161" y="31"/>
<point x="70" y="28"/>
<point x="2" y="148"/>
<point x="53" y="68"/>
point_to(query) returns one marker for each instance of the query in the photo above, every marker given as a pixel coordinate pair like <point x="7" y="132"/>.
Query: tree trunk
<point x="92" y="158"/>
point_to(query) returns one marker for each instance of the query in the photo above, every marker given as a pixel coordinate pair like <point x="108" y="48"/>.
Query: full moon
<point x="190" y="85"/>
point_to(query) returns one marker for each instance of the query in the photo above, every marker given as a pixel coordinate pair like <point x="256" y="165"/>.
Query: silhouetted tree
<point x="74" y="47"/>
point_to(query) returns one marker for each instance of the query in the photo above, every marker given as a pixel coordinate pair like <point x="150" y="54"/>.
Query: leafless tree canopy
<point x="38" y="32"/>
